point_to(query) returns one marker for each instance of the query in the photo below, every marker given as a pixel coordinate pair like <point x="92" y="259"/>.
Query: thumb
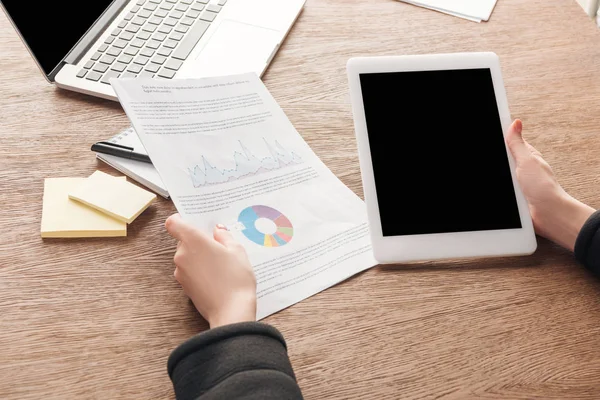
<point x="515" y="141"/>
<point x="223" y="236"/>
<point x="178" y="228"/>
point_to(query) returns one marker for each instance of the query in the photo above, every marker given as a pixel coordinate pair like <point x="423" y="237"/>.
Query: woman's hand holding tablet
<point x="556" y="214"/>
<point x="438" y="178"/>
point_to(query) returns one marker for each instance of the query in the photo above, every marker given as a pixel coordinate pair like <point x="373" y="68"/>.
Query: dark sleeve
<point x="587" y="245"/>
<point x="240" y="361"/>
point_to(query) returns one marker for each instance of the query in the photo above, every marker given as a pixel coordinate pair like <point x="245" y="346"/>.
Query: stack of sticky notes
<point x="98" y="206"/>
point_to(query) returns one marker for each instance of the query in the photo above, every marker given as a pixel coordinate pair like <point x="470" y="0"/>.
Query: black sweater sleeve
<point x="587" y="245"/>
<point x="240" y="361"/>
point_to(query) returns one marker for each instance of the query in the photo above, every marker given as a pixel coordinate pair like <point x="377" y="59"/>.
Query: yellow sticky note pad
<point x="119" y="199"/>
<point x="66" y="218"/>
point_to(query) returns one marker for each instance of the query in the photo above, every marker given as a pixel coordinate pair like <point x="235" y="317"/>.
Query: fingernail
<point x="221" y="226"/>
<point x="518" y="125"/>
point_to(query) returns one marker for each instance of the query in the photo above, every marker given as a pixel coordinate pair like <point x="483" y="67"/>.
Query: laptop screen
<point x="52" y="28"/>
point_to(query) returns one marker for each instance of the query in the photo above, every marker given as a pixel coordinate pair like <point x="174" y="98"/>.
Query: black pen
<point x="118" y="150"/>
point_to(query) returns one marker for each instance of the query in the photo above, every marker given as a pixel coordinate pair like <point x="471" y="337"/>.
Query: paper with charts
<point x="228" y="154"/>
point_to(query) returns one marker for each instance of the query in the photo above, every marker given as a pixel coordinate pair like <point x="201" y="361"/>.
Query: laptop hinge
<point x="90" y="37"/>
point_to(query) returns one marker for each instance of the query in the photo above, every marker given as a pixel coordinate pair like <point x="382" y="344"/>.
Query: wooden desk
<point x="97" y="319"/>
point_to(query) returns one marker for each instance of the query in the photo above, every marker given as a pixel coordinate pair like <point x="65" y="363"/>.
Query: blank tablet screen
<point x="438" y="152"/>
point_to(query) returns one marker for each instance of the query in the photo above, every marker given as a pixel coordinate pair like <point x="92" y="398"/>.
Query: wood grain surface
<point x="97" y="318"/>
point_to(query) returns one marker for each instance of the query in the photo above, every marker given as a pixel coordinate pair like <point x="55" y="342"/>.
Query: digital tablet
<point x="438" y="179"/>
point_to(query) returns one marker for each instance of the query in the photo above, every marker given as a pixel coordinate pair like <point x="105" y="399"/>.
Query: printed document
<point x="473" y="10"/>
<point x="228" y="154"/>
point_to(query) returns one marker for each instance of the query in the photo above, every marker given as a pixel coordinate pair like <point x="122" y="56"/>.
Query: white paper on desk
<point x="473" y="10"/>
<point x="478" y="20"/>
<point x="228" y="154"/>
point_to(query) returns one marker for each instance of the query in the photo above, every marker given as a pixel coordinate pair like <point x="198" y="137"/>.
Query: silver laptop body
<point x="83" y="48"/>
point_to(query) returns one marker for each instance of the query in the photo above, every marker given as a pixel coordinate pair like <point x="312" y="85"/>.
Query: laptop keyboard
<point x="152" y="40"/>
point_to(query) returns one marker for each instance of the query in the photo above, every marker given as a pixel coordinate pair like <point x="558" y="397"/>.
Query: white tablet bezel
<point x="394" y="249"/>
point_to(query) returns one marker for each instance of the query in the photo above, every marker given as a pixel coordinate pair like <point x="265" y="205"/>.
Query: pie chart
<point x="266" y="226"/>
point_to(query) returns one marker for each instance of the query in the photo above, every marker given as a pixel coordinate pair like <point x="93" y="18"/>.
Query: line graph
<point x="246" y="164"/>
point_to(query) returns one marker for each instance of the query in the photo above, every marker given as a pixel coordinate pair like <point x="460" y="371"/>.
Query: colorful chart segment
<point x="283" y="234"/>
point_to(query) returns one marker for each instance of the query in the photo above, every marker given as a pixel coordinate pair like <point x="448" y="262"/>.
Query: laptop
<point x="81" y="45"/>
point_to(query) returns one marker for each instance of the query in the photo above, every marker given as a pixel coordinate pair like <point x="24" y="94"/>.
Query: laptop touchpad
<point x="234" y="48"/>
